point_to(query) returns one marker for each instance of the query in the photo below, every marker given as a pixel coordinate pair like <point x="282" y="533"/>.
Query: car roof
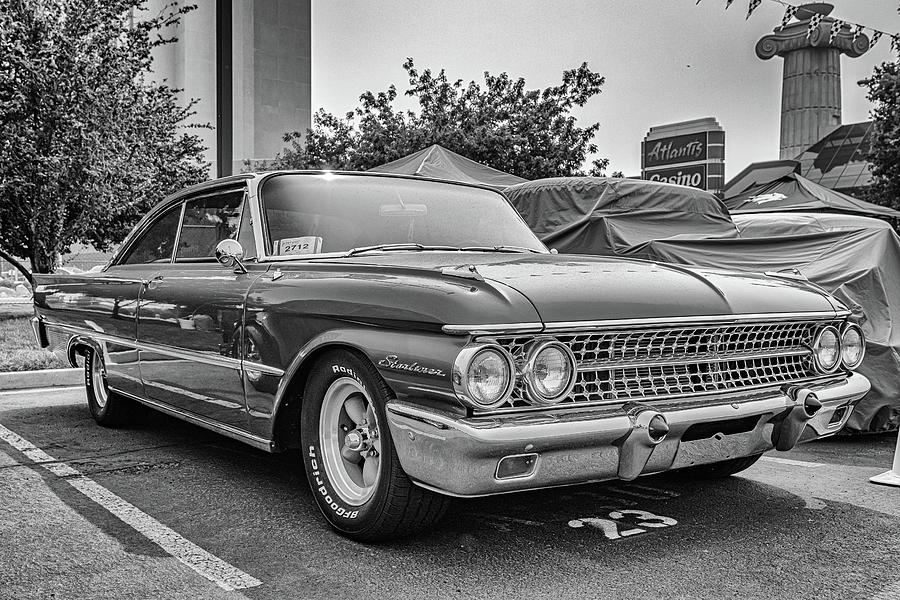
<point x="224" y="181"/>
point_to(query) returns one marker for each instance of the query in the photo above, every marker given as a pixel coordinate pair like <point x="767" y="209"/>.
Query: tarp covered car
<point x="855" y="258"/>
<point x="792" y="192"/>
<point x="595" y="215"/>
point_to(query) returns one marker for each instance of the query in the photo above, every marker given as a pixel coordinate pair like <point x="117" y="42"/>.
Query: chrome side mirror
<point x="229" y="253"/>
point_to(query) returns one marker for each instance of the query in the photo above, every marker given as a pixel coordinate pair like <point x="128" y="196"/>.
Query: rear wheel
<point x="723" y="468"/>
<point x="352" y="468"/>
<point x="108" y="408"/>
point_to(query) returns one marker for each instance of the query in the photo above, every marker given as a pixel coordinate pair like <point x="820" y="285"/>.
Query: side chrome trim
<point x="489" y="329"/>
<point x="217" y="361"/>
<point x="567" y="326"/>
<point x="266" y="369"/>
<point x="220" y="428"/>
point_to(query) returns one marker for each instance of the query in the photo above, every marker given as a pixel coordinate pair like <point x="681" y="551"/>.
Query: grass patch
<point x="19" y="350"/>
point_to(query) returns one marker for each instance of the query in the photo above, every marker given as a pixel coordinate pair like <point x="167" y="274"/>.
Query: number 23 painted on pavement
<point x="611" y="529"/>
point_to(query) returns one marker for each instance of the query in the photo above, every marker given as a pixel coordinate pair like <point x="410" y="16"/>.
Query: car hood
<point x="566" y="288"/>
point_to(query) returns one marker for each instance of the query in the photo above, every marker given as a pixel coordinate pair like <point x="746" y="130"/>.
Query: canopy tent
<point x="438" y="162"/>
<point x="595" y="215"/>
<point x="792" y="192"/>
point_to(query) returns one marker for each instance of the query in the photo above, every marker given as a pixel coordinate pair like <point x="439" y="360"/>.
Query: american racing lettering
<point x="391" y="361"/>
<point x="347" y="371"/>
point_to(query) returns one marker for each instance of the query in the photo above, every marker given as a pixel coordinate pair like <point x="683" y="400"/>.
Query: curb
<point x="20" y="380"/>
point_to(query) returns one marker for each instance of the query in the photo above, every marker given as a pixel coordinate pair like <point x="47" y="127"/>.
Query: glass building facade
<point x="838" y="161"/>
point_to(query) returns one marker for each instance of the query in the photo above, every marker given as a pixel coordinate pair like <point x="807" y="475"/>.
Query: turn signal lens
<point x="488" y="377"/>
<point x="853" y="346"/>
<point x="827" y="349"/>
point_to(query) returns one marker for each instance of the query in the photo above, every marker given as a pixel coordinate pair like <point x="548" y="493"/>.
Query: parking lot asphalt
<point x="168" y="510"/>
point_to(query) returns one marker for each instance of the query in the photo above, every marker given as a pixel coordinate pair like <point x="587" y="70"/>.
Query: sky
<point x="664" y="60"/>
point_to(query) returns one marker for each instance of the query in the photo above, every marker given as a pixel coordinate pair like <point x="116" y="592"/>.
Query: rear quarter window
<point x="157" y="242"/>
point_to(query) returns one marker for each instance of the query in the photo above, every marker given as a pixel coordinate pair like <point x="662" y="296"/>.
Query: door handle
<point x="153" y="282"/>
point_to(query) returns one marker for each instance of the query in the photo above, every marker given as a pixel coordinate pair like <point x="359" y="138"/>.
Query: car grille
<point x="666" y="362"/>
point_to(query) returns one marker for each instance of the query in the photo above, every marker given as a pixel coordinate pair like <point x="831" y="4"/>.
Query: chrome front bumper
<point x="460" y="456"/>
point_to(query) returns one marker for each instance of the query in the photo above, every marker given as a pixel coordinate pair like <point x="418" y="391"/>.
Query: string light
<point x="791" y="11"/>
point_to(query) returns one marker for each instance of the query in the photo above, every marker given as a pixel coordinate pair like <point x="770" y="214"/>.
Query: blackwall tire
<point x="351" y="465"/>
<point x="721" y="469"/>
<point x="107" y="408"/>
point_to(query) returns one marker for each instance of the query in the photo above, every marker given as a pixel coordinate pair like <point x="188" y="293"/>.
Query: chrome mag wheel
<point x="98" y="379"/>
<point x="350" y="440"/>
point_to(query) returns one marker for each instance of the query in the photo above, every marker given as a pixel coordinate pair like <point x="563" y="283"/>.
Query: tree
<point x="527" y="132"/>
<point x="884" y="92"/>
<point x="87" y="141"/>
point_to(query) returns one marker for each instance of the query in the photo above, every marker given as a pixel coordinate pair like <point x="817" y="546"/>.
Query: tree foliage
<point x="87" y="141"/>
<point x="884" y="92"/>
<point x="527" y="132"/>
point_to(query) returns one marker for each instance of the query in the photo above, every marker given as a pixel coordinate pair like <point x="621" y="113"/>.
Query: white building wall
<point x="272" y="72"/>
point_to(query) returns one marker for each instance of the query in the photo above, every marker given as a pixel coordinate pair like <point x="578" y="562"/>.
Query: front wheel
<point x="352" y="468"/>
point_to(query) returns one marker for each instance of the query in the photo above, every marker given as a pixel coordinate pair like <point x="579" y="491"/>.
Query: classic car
<point x="415" y="341"/>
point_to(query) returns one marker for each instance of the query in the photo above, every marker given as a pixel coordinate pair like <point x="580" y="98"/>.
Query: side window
<point x="157" y="242"/>
<point x="208" y="221"/>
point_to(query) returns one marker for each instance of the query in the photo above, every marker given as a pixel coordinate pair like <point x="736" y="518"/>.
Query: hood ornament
<point x="789" y="273"/>
<point x="463" y="272"/>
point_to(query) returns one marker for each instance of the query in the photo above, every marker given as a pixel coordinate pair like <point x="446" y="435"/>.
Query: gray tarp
<point x="440" y="163"/>
<point x="594" y="215"/>
<point x="794" y="192"/>
<point x="855" y="258"/>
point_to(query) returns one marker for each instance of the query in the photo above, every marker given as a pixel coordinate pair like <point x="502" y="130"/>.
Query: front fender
<point x="416" y="366"/>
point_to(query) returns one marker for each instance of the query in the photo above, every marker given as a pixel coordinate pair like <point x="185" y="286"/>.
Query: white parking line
<point x="793" y="463"/>
<point x="209" y="566"/>
<point x="41" y="390"/>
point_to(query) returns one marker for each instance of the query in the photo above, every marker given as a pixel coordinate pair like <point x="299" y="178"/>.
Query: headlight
<point x="483" y="375"/>
<point x="853" y="346"/>
<point x="827" y="349"/>
<point x="549" y="372"/>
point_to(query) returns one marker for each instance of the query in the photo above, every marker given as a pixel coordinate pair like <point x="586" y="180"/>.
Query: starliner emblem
<point x="391" y="361"/>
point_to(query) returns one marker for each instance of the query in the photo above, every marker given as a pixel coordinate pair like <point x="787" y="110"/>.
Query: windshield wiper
<point x="522" y="249"/>
<point x="411" y="246"/>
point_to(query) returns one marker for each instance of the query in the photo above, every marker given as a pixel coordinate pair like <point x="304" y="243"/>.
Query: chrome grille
<point x="665" y="362"/>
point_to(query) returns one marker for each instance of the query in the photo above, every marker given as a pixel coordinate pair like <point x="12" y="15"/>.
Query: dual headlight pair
<point x="832" y="348"/>
<point x="485" y="374"/>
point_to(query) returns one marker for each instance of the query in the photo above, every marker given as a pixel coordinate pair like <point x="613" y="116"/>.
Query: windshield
<point x="311" y="214"/>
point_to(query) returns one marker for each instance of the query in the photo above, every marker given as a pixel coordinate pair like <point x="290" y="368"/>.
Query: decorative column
<point x="811" y="84"/>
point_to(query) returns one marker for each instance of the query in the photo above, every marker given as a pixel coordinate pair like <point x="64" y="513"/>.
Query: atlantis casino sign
<point x="691" y="176"/>
<point x="693" y="158"/>
<point x="673" y="150"/>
